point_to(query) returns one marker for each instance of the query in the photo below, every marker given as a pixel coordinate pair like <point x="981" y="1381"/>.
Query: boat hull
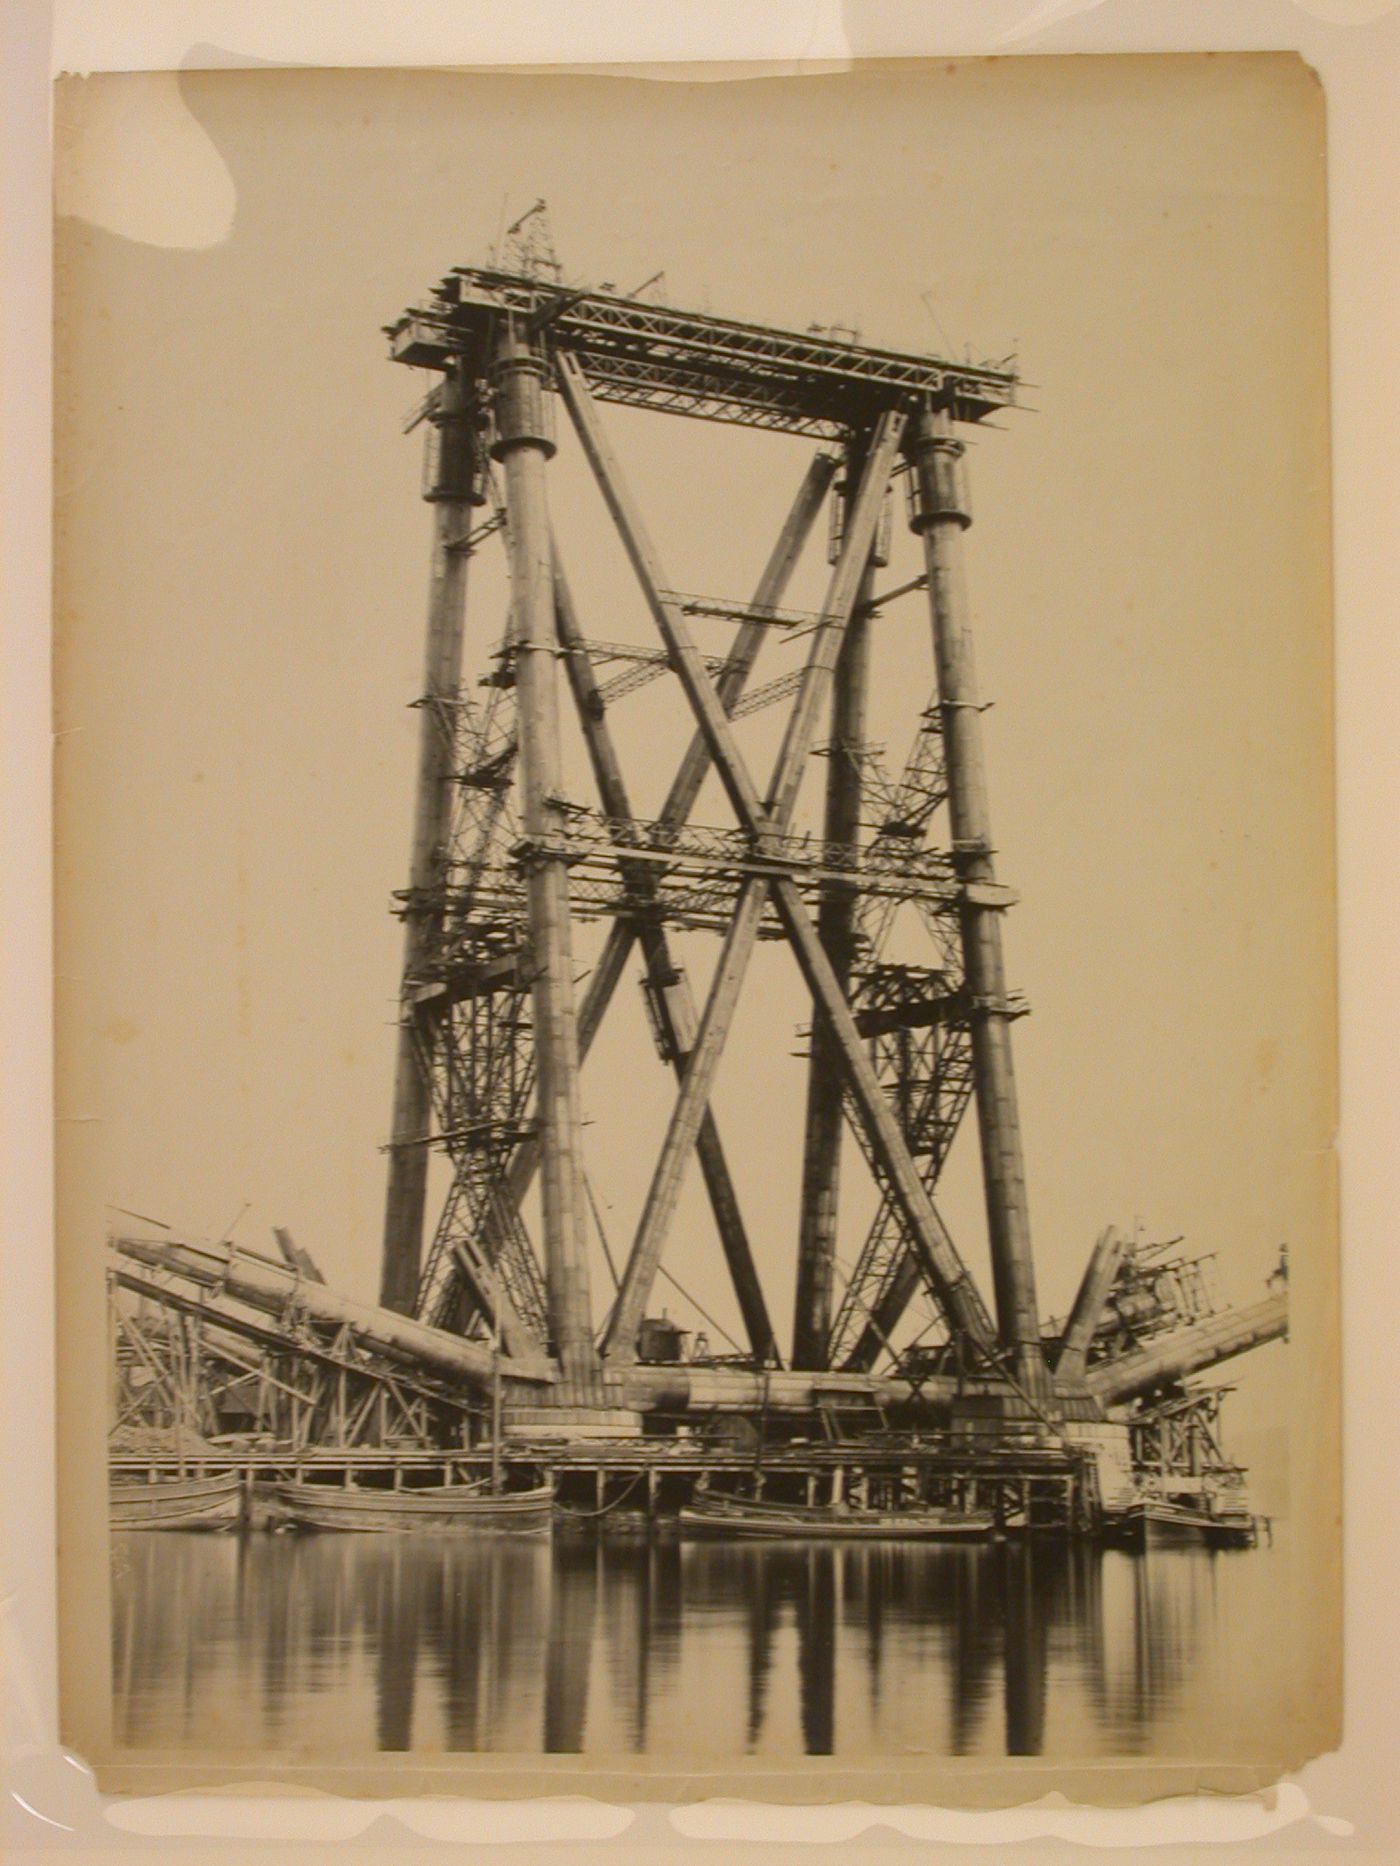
<point x="1154" y="1524"/>
<point x="442" y="1509"/>
<point x="178" y="1503"/>
<point x="756" y="1523"/>
<point x="1232" y="1532"/>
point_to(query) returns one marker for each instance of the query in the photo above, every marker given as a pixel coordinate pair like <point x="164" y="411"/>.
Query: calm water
<point x="697" y="1651"/>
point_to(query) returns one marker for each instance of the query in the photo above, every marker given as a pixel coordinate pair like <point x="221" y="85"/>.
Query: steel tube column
<point x="1189" y="1350"/>
<point x="836" y="928"/>
<point x="523" y="446"/>
<point x="671" y="996"/>
<point x="272" y="1288"/>
<point x="606" y="975"/>
<point x="412" y="1112"/>
<point x="947" y="1273"/>
<point x="1084" y="1317"/>
<point x="945" y="1268"/>
<point x="772" y="816"/>
<point x="941" y="517"/>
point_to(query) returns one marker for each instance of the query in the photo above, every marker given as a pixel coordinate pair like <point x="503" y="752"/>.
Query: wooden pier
<point x="641" y="1482"/>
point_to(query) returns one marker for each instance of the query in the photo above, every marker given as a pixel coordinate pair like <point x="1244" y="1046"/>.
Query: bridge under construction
<point x="488" y="1331"/>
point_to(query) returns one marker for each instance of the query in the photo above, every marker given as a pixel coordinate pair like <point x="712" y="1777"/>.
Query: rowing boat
<point x="178" y="1503"/>
<point x="446" y="1507"/>
<point x="739" y="1517"/>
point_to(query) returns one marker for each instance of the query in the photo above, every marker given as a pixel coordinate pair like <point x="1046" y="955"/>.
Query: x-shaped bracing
<point x="680" y="801"/>
<point x="764" y="817"/>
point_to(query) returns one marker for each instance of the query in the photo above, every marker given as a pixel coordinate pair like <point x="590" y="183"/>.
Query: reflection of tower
<point x="817" y="1612"/>
<point x="282" y="1599"/>
<point x="172" y="1602"/>
<point x="643" y="1604"/>
<point x="1146" y="1647"/>
<point x="1027" y="1608"/>
<point x="976" y="1612"/>
<point x="627" y="1604"/>
<point x="760" y="1608"/>
<point x="873" y="1566"/>
<point x="645" y="1597"/>
<point x="1118" y="1655"/>
<point x="143" y="1631"/>
<point x="517" y="1582"/>
<point x="573" y="1607"/>
<point x="1154" y="1608"/>
<point x="398" y="1620"/>
<point x="460" y="1628"/>
<point x="1086" y="1612"/>
<point x="1174" y="1591"/>
<point x="666" y="1610"/>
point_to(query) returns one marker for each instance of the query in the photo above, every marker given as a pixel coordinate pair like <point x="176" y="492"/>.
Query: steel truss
<point x="690" y="363"/>
<point x="495" y="1035"/>
<point x="187" y="1370"/>
<point x="471" y="1017"/>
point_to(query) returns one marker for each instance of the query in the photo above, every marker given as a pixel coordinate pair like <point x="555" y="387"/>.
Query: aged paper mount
<point x="240" y="560"/>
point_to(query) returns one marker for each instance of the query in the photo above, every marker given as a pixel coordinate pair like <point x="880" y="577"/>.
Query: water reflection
<point x="700" y="1651"/>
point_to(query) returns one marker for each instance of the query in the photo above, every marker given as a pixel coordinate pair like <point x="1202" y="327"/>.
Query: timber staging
<point x="328" y="1389"/>
<point x="647" y="1483"/>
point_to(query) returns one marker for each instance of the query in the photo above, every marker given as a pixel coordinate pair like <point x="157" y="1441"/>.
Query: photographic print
<point x="696" y="1057"/>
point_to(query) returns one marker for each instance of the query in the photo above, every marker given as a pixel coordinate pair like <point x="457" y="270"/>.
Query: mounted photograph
<point x="696" y="1055"/>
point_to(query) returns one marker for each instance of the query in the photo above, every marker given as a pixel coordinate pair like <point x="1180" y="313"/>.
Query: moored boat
<point x="742" y="1517"/>
<point x="177" y="1502"/>
<point x="1232" y="1529"/>
<point x="1159" y="1522"/>
<point x="447" y="1507"/>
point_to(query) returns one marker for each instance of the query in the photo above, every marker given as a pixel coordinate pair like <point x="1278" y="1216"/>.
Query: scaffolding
<point x="885" y="894"/>
<point x="505" y="866"/>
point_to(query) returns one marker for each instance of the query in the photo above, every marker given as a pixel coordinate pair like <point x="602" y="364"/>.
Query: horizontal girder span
<point x="693" y="363"/>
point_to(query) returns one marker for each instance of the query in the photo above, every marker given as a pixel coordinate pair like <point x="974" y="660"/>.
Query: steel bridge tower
<point x="493" y="1031"/>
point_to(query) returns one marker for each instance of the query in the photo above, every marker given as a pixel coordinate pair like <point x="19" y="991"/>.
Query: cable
<point x="704" y="1314"/>
<point x="602" y="1234"/>
<point x="679" y="1287"/>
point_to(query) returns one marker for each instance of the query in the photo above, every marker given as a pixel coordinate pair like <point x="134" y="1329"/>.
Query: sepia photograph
<point x="695" y="902"/>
